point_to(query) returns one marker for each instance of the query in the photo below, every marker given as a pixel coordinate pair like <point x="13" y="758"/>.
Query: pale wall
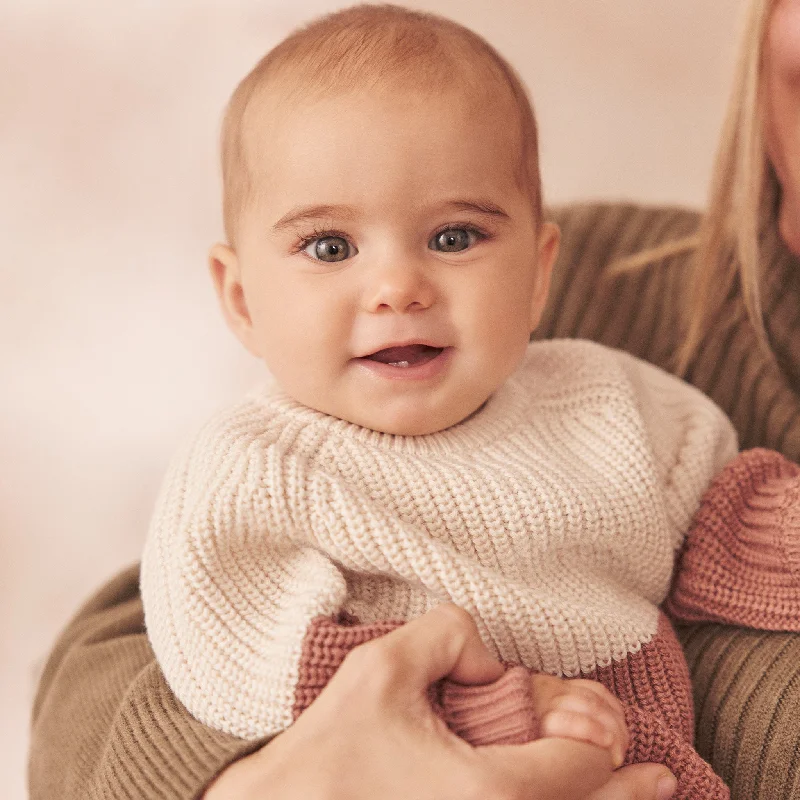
<point x="110" y="344"/>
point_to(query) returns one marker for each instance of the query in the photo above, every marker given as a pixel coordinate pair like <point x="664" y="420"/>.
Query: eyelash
<point x="318" y="233"/>
<point x="321" y="233"/>
<point x="480" y="234"/>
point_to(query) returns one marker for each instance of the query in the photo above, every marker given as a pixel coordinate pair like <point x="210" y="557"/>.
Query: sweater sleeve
<point x="654" y="741"/>
<point x="107" y="726"/>
<point x="740" y="563"/>
<point x="501" y="712"/>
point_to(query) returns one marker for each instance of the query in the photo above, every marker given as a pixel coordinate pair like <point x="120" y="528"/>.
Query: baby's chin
<point x="396" y="413"/>
<point x="406" y="423"/>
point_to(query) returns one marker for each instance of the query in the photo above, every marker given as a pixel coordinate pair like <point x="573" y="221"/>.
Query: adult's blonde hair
<point x="372" y="46"/>
<point x="742" y="199"/>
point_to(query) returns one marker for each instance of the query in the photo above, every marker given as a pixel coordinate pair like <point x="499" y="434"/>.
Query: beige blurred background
<point x="110" y="344"/>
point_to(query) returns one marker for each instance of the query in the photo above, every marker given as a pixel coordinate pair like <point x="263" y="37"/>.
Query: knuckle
<point x="593" y="691"/>
<point x="358" y="659"/>
<point x="373" y="666"/>
<point x="458" y="617"/>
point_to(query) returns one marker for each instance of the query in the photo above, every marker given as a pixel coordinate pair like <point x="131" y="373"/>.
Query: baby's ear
<point x="226" y="275"/>
<point x="549" y="241"/>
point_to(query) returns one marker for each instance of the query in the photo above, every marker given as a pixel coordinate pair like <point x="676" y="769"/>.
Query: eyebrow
<point x="306" y="213"/>
<point x="302" y="214"/>
<point x="478" y="206"/>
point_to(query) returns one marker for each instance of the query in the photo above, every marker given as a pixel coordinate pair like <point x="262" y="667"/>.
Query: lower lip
<point x="420" y="372"/>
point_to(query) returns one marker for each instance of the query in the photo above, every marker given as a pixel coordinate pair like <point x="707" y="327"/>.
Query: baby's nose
<point x="400" y="288"/>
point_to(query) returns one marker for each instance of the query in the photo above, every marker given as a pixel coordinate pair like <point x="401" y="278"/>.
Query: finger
<point x="442" y="643"/>
<point x="584" y="728"/>
<point x="596" y="690"/>
<point x="585" y="697"/>
<point x="600" y="698"/>
<point x="546" y="690"/>
<point x="570" y="770"/>
<point x="606" y="728"/>
<point x="638" y="782"/>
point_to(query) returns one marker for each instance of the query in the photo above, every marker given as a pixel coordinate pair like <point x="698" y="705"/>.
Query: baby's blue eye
<point x="330" y="249"/>
<point x="453" y="240"/>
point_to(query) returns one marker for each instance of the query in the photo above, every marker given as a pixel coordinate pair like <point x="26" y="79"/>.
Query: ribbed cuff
<point x="741" y="560"/>
<point x="497" y="713"/>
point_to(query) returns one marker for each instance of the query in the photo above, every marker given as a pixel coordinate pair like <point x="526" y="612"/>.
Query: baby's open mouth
<point x="411" y="355"/>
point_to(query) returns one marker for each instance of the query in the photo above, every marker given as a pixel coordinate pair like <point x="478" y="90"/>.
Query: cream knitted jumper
<point x="553" y="515"/>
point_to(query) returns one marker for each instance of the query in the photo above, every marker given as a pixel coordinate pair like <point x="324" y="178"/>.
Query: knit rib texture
<point x="640" y="311"/>
<point x="106" y="725"/>
<point x="552" y="516"/>
<point x="748" y="527"/>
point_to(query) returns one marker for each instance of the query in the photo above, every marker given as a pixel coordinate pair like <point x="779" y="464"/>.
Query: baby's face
<point x="389" y="268"/>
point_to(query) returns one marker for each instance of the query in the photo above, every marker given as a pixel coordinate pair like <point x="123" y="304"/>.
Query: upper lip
<point x="403" y="343"/>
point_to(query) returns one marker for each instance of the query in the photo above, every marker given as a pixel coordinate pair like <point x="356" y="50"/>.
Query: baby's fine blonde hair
<point x="371" y="46"/>
<point x="743" y="198"/>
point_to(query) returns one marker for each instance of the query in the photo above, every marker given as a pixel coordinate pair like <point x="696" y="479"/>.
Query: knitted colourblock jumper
<point x="283" y="538"/>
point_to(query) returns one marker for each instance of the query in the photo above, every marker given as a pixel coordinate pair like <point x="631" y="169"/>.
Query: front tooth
<point x="398" y="363"/>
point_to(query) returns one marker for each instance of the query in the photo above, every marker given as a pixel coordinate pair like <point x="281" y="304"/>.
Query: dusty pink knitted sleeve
<point x="740" y="563"/>
<point x="497" y="713"/>
<point x="653" y="685"/>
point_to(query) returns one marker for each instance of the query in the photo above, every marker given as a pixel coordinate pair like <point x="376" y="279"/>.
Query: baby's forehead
<point x="286" y="101"/>
<point x="290" y="133"/>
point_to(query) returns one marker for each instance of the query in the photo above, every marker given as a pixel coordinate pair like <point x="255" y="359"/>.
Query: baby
<point x="388" y="259"/>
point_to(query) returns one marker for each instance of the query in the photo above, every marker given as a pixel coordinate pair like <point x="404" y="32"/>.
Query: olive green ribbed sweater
<point x="105" y="725"/>
<point x="639" y="311"/>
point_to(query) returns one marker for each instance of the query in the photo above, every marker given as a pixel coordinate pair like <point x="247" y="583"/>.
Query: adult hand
<point x="372" y="733"/>
<point x="638" y="782"/>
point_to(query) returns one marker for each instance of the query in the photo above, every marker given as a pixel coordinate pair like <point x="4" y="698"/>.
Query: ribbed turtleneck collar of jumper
<point x="781" y="303"/>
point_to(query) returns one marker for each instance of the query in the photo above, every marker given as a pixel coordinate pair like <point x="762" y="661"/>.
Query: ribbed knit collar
<point x="503" y="411"/>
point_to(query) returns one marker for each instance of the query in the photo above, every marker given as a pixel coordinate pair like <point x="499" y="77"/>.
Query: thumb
<point x="442" y="643"/>
<point x="638" y="782"/>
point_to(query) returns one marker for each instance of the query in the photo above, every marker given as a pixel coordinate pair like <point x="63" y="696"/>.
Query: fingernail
<point x="666" y="787"/>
